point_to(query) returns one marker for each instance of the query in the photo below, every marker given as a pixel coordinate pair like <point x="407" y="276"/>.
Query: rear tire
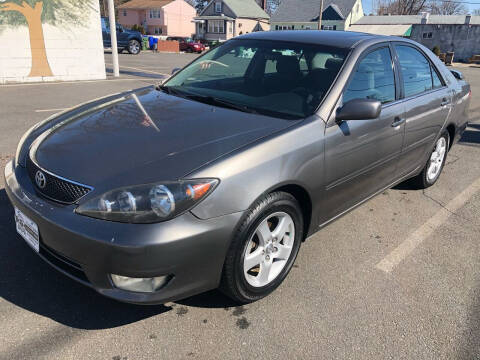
<point x="264" y="248"/>
<point x="134" y="47"/>
<point x="434" y="166"/>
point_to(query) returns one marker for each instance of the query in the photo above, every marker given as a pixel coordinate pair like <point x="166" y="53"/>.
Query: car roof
<point x="341" y="39"/>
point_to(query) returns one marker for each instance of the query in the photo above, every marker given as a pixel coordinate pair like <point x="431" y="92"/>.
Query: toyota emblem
<point x="40" y="179"/>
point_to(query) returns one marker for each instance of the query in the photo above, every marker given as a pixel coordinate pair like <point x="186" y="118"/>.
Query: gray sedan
<point x="215" y="178"/>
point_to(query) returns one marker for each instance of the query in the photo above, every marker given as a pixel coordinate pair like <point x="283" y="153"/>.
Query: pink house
<point x="159" y="17"/>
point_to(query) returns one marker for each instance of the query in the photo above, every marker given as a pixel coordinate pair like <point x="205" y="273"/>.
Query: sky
<point x="367" y="5"/>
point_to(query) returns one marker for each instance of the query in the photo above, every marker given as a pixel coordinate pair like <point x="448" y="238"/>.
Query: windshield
<point x="283" y="79"/>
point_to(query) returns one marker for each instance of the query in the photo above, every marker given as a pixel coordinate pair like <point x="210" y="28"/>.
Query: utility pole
<point x="113" y="38"/>
<point x="320" y="16"/>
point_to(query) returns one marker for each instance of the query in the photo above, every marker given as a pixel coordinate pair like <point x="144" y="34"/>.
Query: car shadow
<point x="471" y="135"/>
<point x="28" y="282"/>
<point x="213" y="299"/>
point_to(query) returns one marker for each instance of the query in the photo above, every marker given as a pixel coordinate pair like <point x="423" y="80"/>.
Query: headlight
<point x="148" y="203"/>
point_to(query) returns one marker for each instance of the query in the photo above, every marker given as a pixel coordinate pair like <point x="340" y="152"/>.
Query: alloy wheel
<point x="268" y="249"/>
<point x="436" y="159"/>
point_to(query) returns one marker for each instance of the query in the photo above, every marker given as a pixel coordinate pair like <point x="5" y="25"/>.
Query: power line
<point x="458" y="2"/>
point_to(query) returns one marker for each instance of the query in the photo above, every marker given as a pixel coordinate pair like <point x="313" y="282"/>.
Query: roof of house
<point x="415" y="19"/>
<point x="308" y="10"/>
<point x="145" y="4"/>
<point x="213" y="17"/>
<point x="246" y="8"/>
<point x="383" y="29"/>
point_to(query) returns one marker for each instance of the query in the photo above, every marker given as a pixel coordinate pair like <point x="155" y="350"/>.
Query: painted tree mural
<point x="35" y="13"/>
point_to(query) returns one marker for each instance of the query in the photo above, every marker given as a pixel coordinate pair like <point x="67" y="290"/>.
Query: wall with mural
<point x="50" y="40"/>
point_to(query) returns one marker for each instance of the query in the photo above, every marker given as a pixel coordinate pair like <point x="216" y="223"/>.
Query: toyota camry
<point x="214" y="178"/>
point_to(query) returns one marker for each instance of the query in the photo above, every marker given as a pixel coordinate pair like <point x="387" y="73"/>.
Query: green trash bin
<point x="145" y="43"/>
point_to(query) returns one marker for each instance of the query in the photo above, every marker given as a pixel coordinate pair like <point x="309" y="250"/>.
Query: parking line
<point x="427" y="229"/>
<point x="140" y="69"/>
<point x="79" y="82"/>
<point x="51" y="110"/>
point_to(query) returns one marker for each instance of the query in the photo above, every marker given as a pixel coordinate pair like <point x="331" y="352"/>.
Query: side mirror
<point x="359" y="109"/>
<point x="175" y="70"/>
<point x="458" y="75"/>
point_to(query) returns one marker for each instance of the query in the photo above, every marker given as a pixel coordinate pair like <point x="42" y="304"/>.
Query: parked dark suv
<point x="188" y="44"/>
<point x="126" y="39"/>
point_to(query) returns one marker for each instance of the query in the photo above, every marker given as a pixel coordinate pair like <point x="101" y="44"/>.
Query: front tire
<point x="264" y="248"/>
<point x="134" y="47"/>
<point x="434" y="166"/>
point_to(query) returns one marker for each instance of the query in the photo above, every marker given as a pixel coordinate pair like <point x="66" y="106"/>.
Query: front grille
<point x="56" y="188"/>
<point x="63" y="263"/>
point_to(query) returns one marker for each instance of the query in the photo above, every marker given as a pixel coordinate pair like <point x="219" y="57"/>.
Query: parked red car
<point x="188" y="44"/>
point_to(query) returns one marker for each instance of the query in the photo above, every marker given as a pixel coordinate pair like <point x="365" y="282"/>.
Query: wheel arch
<point x="303" y="197"/>
<point x="451" y="129"/>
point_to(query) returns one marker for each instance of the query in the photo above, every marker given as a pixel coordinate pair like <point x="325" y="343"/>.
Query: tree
<point x="34" y="13"/>
<point x="200" y="5"/>
<point x="401" y="7"/>
<point x="272" y="6"/>
<point x="446" y="7"/>
<point x="414" y="7"/>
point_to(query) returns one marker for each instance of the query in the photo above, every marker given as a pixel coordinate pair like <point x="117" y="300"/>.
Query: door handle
<point x="444" y="102"/>
<point x="398" y="121"/>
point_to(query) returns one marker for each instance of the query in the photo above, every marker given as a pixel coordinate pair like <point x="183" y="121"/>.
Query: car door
<point x="361" y="155"/>
<point x="122" y="36"/>
<point x="106" y="33"/>
<point x="428" y="104"/>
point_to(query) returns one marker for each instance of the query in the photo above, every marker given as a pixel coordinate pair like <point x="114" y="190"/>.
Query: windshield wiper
<point x="170" y="90"/>
<point x="211" y="100"/>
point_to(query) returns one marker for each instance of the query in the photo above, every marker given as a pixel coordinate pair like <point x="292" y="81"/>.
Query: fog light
<point x="146" y="285"/>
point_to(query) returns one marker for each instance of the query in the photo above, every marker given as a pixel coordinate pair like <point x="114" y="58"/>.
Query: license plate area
<point x="27" y="229"/>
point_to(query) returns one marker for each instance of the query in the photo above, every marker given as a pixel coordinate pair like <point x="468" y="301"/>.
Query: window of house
<point x="154" y="13"/>
<point x="216" y="26"/>
<point x="157" y="30"/>
<point x="373" y="78"/>
<point x="416" y="71"/>
<point x="230" y="27"/>
<point x="218" y="7"/>
<point x="329" y="27"/>
<point x="427" y="35"/>
<point x="124" y="12"/>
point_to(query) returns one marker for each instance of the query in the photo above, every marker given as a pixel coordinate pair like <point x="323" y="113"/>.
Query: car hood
<point x="145" y="136"/>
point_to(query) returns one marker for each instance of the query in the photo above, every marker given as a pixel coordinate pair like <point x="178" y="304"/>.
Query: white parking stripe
<point x="79" y="82"/>
<point x="139" y="69"/>
<point x="427" y="229"/>
<point x="51" y="110"/>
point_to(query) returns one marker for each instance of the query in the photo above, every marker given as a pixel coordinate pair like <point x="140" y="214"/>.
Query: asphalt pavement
<point x="340" y="301"/>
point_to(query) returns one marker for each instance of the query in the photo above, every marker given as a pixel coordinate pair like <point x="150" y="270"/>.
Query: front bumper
<point x="191" y="250"/>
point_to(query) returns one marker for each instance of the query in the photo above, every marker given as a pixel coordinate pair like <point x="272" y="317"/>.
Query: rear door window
<point x="416" y="70"/>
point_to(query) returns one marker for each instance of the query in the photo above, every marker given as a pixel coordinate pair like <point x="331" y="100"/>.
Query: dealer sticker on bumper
<point x="28" y="229"/>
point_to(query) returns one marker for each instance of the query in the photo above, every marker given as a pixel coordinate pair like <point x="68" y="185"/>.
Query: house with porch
<point x="304" y="14"/>
<point x="159" y="17"/>
<point x="224" y="19"/>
